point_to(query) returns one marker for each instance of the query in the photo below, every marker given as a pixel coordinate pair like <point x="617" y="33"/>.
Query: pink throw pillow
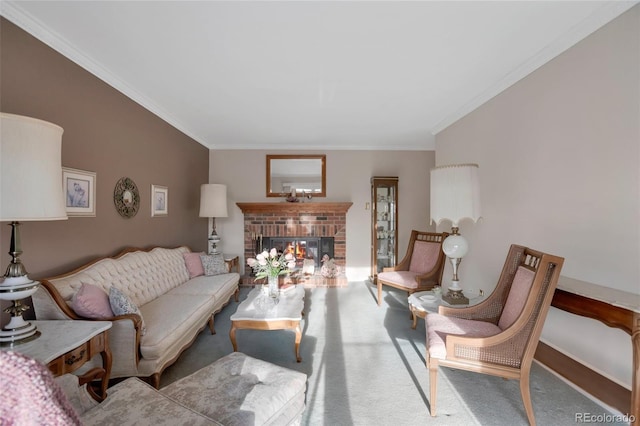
<point x="194" y="264"/>
<point x="91" y="301"/>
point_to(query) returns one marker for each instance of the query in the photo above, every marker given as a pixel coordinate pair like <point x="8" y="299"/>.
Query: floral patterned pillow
<point x="214" y="264"/>
<point x="122" y="305"/>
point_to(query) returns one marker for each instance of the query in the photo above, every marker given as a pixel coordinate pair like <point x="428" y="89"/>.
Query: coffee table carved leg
<point x="413" y="317"/>
<point x="232" y="335"/>
<point x="298" y="340"/>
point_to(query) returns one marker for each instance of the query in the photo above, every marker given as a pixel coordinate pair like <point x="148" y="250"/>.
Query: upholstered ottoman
<point x="240" y="390"/>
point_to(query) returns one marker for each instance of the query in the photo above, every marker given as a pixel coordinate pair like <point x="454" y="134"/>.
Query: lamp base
<point x="213" y="246"/>
<point x="18" y="330"/>
<point x="214" y="241"/>
<point x="18" y="337"/>
<point x="455" y="297"/>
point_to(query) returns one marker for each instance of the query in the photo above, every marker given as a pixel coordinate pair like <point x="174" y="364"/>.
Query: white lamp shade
<point x="455" y="193"/>
<point x="213" y="200"/>
<point x="30" y="169"/>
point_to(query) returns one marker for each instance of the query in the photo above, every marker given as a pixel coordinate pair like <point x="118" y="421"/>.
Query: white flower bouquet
<point x="270" y="264"/>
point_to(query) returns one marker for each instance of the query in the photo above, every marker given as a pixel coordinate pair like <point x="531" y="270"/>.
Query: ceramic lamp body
<point x="455" y="246"/>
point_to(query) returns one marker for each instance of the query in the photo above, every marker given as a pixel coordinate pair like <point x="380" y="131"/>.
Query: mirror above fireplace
<point x="306" y="174"/>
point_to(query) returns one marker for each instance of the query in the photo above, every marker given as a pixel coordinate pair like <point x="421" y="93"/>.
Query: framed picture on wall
<point x="79" y="188"/>
<point x="159" y="200"/>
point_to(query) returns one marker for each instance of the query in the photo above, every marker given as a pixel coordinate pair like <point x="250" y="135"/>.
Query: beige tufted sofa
<point x="174" y="307"/>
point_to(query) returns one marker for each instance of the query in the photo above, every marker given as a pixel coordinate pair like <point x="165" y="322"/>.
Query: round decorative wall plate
<point x="126" y="197"/>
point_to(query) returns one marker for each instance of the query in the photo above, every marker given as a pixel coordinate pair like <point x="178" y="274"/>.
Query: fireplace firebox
<point x="302" y="247"/>
<point x="296" y="220"/>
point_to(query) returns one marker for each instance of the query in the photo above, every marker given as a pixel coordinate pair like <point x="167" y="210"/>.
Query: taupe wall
<point x="559" y="156"/>
<point x="107" y="133"/>
<point x="348" y="179"/>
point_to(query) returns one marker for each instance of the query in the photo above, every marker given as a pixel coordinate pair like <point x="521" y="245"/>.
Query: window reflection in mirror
<point x="304" y="174"/>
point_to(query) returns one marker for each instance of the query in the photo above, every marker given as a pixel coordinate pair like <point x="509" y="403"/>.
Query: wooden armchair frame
<point x="424" y="281"/>
<point x="508" y="354"/>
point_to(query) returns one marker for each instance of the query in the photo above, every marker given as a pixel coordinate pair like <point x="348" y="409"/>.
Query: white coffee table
<point x="254" y="314"/>
<point x="423" y="302"/>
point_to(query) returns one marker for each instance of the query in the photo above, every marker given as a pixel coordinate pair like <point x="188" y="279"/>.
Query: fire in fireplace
<point x="301" y="247"/>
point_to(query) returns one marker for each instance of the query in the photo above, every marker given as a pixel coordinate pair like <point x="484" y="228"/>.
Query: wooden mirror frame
<point x="323" y="171"/>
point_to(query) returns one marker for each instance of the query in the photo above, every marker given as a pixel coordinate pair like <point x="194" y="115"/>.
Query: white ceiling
<point x="321" y="75"/>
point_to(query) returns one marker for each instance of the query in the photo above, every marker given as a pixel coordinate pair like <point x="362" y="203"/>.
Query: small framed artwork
<point x="79" y="188"/>
<point x="159" y="200"/>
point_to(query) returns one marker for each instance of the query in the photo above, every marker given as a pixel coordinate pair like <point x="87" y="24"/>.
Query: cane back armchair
<point x="422" y="266"/>
<point x="498" y="336"/>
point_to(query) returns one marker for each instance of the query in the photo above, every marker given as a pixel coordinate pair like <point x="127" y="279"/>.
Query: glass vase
<point x="274" y="290"/>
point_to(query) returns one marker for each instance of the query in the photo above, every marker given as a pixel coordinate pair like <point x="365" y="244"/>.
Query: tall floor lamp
<point x="30" y="190"/>
<point x="455" y="195"/>
<point x="213" y="203"/>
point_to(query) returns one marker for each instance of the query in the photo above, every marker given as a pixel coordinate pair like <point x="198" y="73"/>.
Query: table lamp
<point x="30" y="190"/>
<point x="455" y="195"/>
<point x="213" y="203"/>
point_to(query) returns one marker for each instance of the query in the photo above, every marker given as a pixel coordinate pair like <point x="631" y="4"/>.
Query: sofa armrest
<point x="48" y="304"/>
<point x="124" y="342"/>
<point x="428" y="280"/>
<point x="124" y="335"/>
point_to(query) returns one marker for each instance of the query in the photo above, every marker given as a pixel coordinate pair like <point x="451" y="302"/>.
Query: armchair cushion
<point x="404" y="278"/>
<point x="517" y="297"/>
<point x="425" y="257"/>
<point x="439" y="326"/>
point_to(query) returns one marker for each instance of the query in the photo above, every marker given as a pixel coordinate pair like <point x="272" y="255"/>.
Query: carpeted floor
<point x="366" y="366"/>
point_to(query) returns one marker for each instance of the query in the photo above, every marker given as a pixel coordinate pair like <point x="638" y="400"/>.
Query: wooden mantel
<point x="280" y="207"/>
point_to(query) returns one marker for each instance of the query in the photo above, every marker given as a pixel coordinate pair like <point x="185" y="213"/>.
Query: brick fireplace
<point x="297" y="220"/>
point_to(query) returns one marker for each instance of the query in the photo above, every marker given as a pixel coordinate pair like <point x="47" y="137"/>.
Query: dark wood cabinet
<point x="384" y="224"/>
